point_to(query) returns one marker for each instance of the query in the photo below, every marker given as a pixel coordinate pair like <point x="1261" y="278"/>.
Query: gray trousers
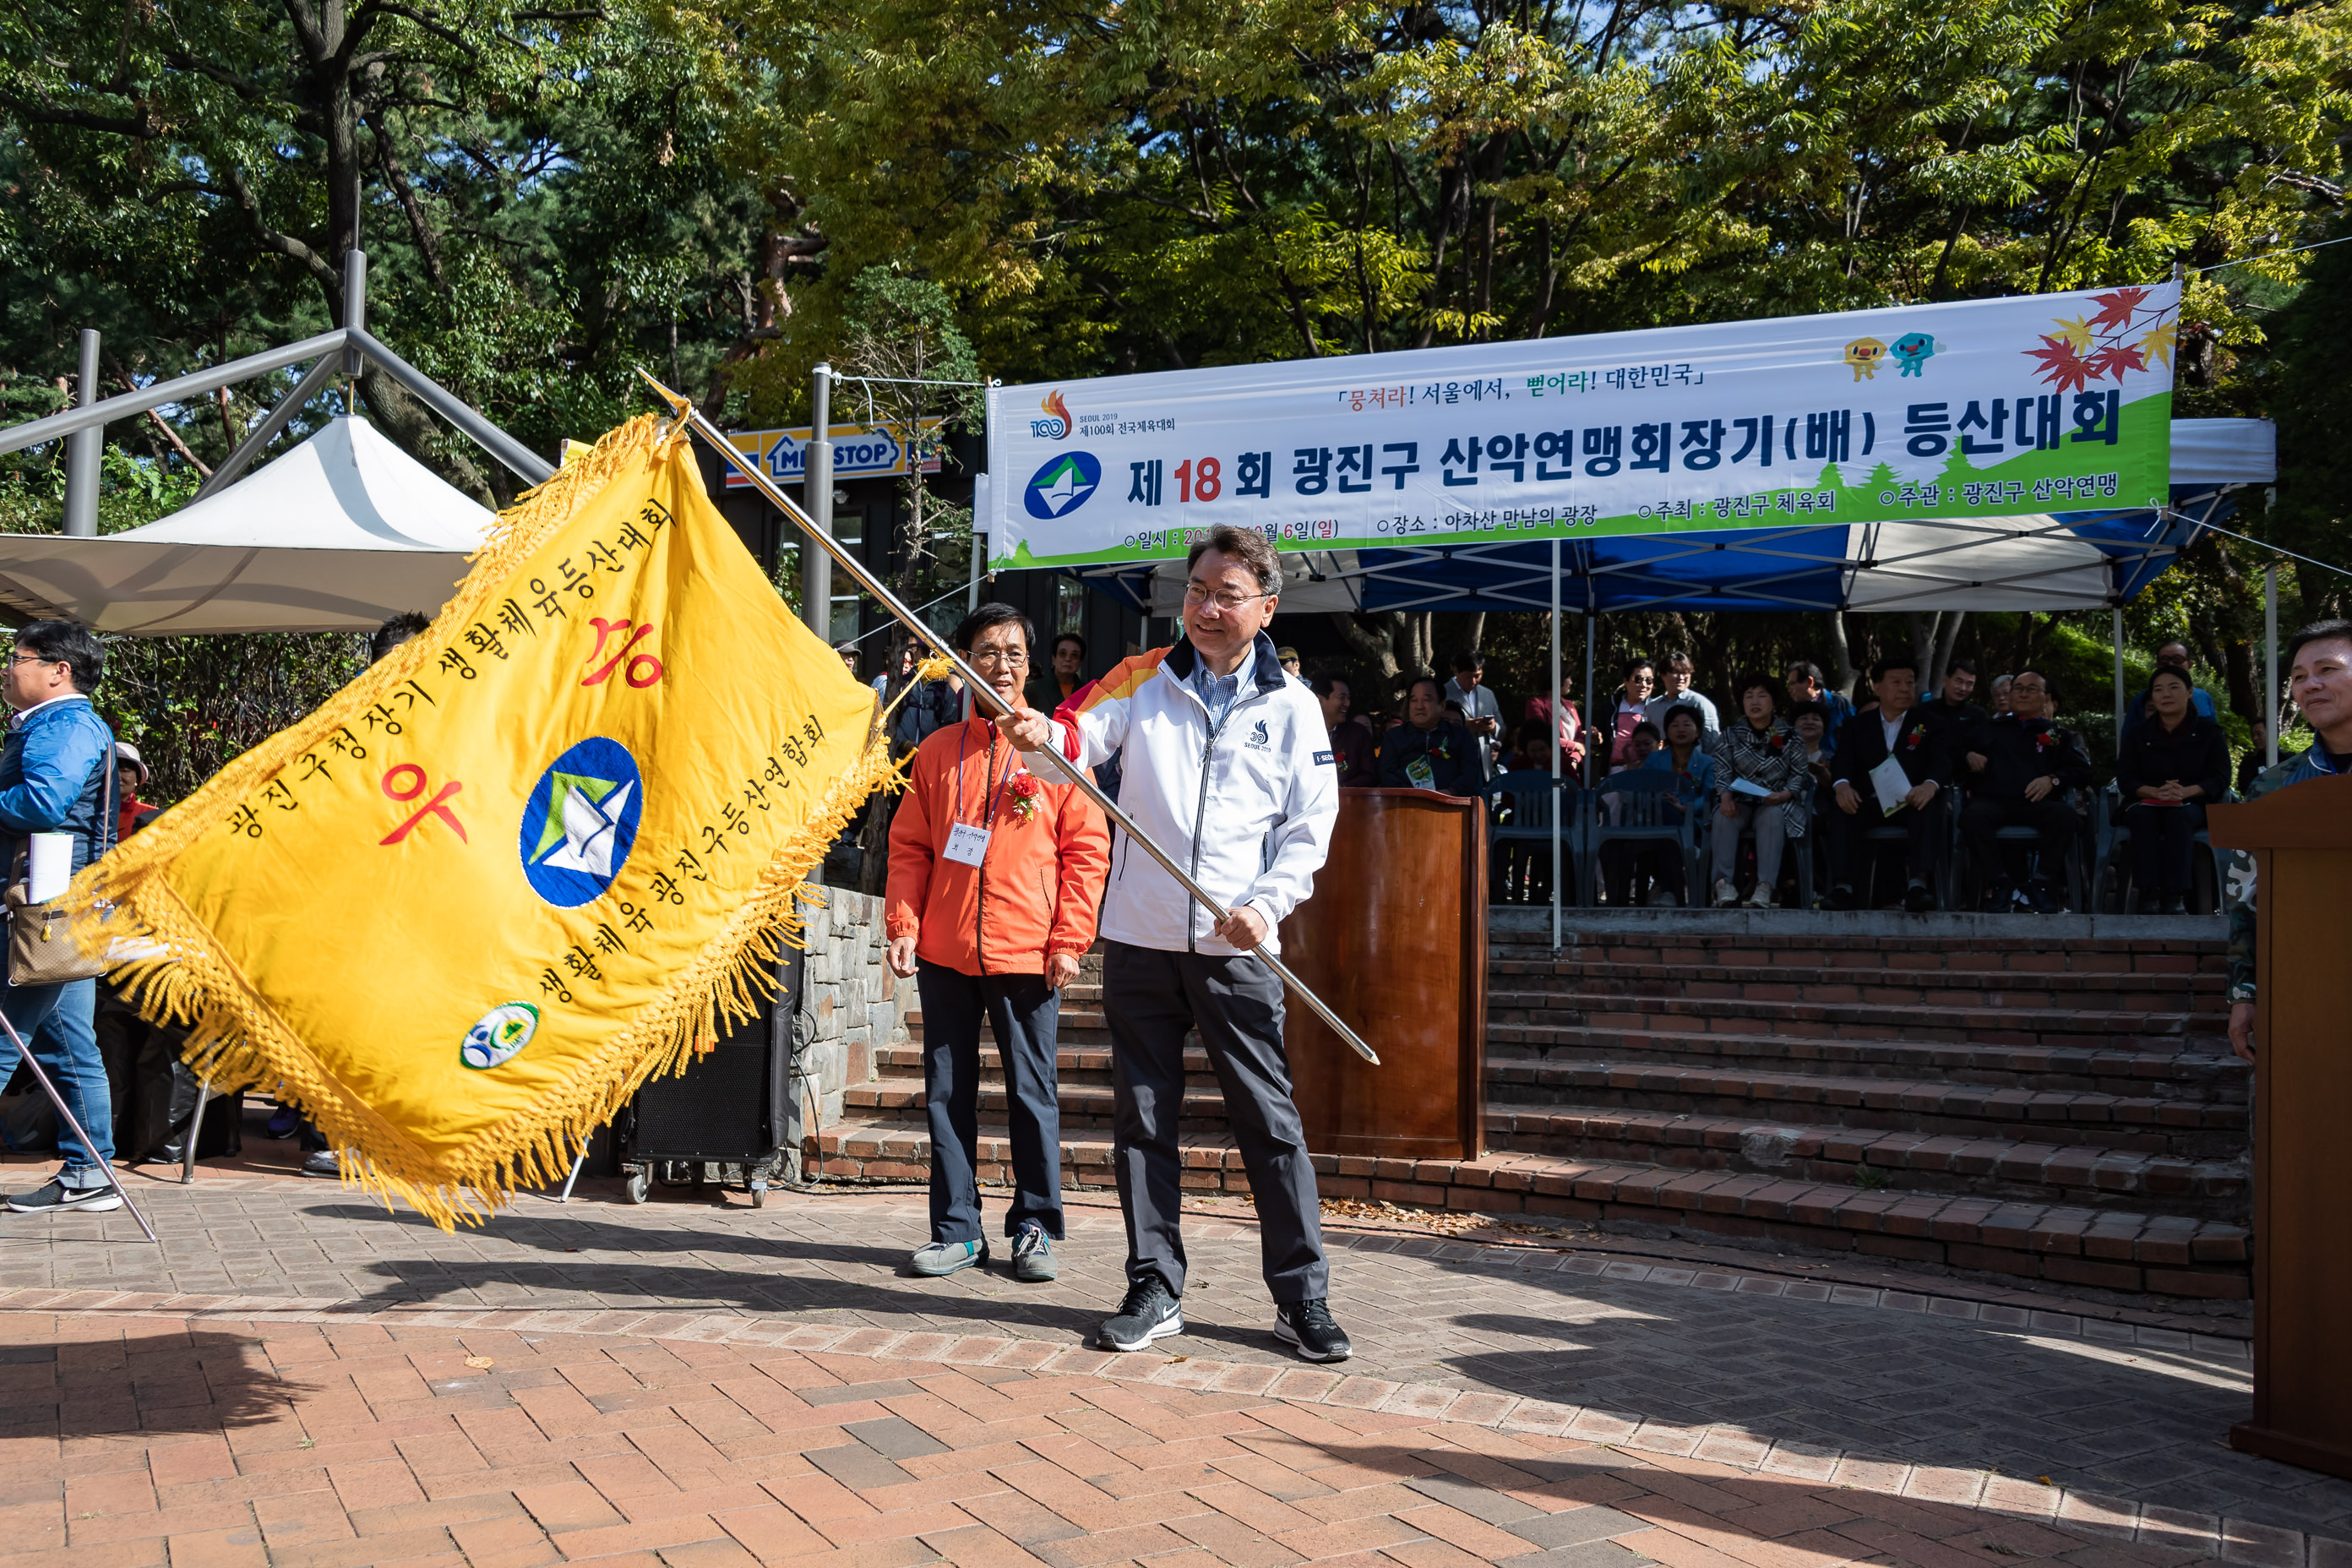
<point x="1152" y="998"/>
<point x="1772" y="833"/>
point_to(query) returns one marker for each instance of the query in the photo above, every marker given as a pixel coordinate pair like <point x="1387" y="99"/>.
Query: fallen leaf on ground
<point x="480" y="1361"/>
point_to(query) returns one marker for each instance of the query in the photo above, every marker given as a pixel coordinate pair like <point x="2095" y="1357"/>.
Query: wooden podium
<point x="1395" y="938"/>
<point x="2300" y="838"/>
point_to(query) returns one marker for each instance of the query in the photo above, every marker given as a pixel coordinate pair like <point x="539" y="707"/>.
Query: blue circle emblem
<point x="1063" y="484"/>
<point x="580" y="822"/>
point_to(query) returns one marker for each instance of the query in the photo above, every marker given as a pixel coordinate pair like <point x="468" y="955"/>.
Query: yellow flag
<point x="463" y="910"/>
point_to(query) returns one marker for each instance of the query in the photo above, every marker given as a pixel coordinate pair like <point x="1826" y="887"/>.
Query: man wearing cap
<point x="131" y="769"/>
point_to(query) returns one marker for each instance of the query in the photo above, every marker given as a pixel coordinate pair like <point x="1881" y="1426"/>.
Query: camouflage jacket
<point x="2312" y="764"/>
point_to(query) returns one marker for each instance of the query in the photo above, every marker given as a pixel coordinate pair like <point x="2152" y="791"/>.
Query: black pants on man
<point x="1849" y="849"/>
<point x="1152" y="998"/>
<point x="1023" y="1013"/>
<point x="2051" y="817"/>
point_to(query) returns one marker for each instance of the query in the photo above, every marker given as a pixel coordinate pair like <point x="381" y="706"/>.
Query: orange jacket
<point x="1039" y="882"/>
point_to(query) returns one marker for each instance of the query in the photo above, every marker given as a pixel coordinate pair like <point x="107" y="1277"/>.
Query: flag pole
<point x="694" y="419"/>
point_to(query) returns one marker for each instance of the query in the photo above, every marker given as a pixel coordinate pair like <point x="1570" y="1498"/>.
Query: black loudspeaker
<point x="726" y="1110"/>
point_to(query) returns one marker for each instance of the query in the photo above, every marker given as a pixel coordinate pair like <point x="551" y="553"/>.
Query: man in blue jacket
<point x="52" y="779"/>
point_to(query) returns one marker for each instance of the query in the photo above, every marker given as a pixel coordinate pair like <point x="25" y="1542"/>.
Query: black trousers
<point x="1152" y="997"/>
<point x="2164" y="840"/>
<point x="1023" y="1013"/>
<point x="2053" y="818"/>
<point x="1848" y="847"/>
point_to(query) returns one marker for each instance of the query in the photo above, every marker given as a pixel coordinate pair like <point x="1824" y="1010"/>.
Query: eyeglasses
<point x="1225" y="599"/>
<point x="1010" y="656"/>
<point x="33" y="658"/>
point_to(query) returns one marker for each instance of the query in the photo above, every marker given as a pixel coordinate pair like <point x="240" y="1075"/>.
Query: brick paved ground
<point x="1740" y="1416"/>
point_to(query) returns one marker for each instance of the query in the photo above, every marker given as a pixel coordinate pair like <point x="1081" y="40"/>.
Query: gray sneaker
<point x="56" y="1199"/>
<point x="947" y="1258"/>
<point x="1033" y="1255"/>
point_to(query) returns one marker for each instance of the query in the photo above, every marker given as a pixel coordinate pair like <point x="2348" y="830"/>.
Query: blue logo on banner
<point x="1061" y="486"/>
<point x="580" y="822"/>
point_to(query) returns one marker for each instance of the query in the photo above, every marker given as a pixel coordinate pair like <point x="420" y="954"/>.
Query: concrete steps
<point x="1985" y="1099"/>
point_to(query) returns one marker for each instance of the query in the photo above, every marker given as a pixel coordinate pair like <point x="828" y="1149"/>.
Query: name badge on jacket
<point x="966" y="844"/>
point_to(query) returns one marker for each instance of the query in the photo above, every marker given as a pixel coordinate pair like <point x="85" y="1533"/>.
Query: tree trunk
<point x="1842" y="678"/>
<point x="1947" y="640"/>
<point x="2239" y="666"/>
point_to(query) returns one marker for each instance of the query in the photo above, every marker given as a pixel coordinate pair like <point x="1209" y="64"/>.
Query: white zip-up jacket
<point x="1246" y="807"/>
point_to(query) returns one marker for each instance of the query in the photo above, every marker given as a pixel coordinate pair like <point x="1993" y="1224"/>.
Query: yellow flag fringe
<point x="172" y="969"/>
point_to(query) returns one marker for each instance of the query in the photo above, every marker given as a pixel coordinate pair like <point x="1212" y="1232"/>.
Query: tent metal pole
<point x="354" y="307"/>
<point x="816" y="490"/>
<point x="2269" y="665"/>
<point x="1559" y="716"/>
<point x="519" y="460"/>
<point x="1590" y="634"/>
<point x="692" y="418"/>
<point x="83" y="450"/>
<point x="2119" y="632"/>
<point x="277" y="419"/>
<point x="124" y="405"/>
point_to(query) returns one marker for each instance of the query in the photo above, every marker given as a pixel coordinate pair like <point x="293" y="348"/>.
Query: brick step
<point x="2036" y="1170"/>
<point x="1513" y="1051"/>
<point x="2091" y="1167"/>
<point x="2183" y="1120"/>
<point x="2184" y="1128"/>
<point x="2169" y="1255"/>
<point x="2081" y="1028"/>
<point x="1934" y="987"/>
<point x="1695" y="949"/>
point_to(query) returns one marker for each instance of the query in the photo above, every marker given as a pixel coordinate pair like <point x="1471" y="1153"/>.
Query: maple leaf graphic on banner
<point x="2117" y="310"/>
<point x="2062" y="366"/>
<point x="2077" y="331"/>
<point x="2114" y="360"/>
<point x="2159" y="344"/>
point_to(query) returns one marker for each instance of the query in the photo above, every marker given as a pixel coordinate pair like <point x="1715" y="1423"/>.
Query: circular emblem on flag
<point x="581" y="821"/>
<point x="503" y="1032"/>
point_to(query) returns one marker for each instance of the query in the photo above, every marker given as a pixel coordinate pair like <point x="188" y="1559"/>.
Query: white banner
<point x="1985" y="409"/>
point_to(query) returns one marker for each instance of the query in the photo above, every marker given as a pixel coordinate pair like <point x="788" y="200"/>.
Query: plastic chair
<point x="1642" y="797"/>
<point x="2110" y="871"/>
<point x="2081" y="882"/>
<point x="1533" y="798"/>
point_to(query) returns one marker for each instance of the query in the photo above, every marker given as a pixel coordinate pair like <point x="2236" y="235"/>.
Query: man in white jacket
<point x="1227" y="766"/>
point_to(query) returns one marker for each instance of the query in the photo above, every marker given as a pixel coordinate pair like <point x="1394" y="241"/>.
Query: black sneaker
<point x="1308" y="1325"/>
<point x="1841" y="897"/>
<point x="1149" y="1312"/>
<point x="56" y="1199"/>
<point x="2043" y="900"/>
<point x="1918" y="898"/>
<point x="1997" y="898"/>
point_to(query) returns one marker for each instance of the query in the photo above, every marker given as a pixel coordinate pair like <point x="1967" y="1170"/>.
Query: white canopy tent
<point x="335" y="536"/>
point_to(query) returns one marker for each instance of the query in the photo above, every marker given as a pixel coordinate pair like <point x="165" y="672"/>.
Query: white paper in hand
<point x="1892" y="785"/>
<point x="1749" y="787"/>
<point x="49" y="866"/>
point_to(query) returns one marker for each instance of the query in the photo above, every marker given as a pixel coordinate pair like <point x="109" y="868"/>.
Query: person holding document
<point x="1760" y="775"/>
<point x="1892" y="768"/>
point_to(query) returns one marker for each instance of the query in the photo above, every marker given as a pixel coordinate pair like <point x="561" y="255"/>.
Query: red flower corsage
<point x="2043" y="741"/>
<point x="1911" y="743"/>
<point x="1023" y="797"/>
<point x="1778" y="743"/>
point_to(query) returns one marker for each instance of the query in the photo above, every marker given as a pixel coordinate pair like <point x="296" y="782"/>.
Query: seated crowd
<point x="1800" y="779"/>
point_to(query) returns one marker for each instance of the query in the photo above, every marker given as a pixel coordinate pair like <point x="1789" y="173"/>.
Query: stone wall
<point x="850" y="1006"/>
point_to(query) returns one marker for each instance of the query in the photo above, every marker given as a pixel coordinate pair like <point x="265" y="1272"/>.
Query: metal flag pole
<point x="49" y="1088"/>
<point x="697" y="421"/>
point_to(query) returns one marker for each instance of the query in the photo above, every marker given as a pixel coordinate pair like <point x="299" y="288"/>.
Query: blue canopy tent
<point x="2059" y="560"/>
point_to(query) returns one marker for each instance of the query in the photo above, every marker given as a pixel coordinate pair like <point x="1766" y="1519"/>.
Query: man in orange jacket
<point x="995" y="875"/>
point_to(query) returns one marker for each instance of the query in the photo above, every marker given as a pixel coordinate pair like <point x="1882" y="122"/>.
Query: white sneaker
<point x="1761" y="898"/>
<point x="1726" y="895"/>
